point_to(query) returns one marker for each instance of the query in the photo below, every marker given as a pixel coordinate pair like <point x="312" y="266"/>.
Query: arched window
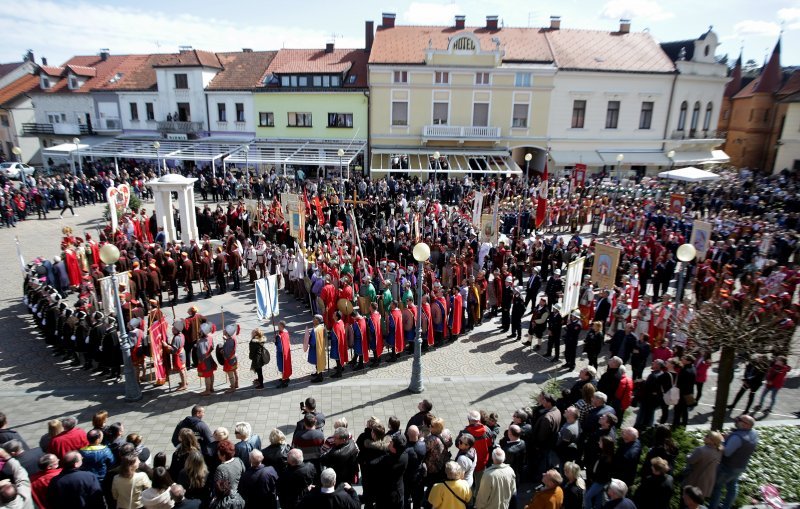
<point x="682" y="116"/>
<point x="695" y="116"/>
<point x="707" y="118"/>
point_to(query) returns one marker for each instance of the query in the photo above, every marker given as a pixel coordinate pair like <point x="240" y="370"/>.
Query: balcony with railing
<point x="172" y="126"/>
<point x="696" y="134"/>
<point x="33" y="129"/>
<point x="109" y="124"/>
<point x="460" y="133"/>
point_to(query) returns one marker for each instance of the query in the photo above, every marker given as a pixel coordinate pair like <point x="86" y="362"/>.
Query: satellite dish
<point x="686" y="253"/>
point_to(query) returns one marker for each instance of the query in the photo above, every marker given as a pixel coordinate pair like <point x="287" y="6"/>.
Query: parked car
<point x="12" y="170"/>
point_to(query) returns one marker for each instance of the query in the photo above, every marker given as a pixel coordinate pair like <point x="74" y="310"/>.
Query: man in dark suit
<point x="330" y="497"/>
<point x="532" y="288"/>
<point x="74" y="487"/>
<point x="294" y="482"/>
<point x="603" y="309"/>
<point x="388" y="471"/>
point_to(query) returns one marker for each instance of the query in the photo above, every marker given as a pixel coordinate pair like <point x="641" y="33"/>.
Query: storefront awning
<point x="635" y="158"/>
<point x="403" y="160"/>
<point x="573" y="157"/>
<point x="298" y="152"/>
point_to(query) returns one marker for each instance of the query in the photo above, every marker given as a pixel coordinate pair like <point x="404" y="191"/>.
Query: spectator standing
<point x="655" y="490"/>
<point x="498" y="484"/>
<point x="451" y="493"/>
<point x="71" y="439"/>
<point x="626" y="457"/>
<point x="574" y="487"/>
<point x="754" y="374"/>
<point x="702" y="464"/>
<point x="258" y="484"/>
<point x="276" y="454"/>
<point x="73" y="487"/>
<point x="483" y="443"/>
<point x="195" y="478"/>
<point x="776" y="377"/>
<point x="551" y="496"/>
<point x="40" y="481"/>
<point x="128" y="484"/>
<point x="97" y="458"/>
<point x="616" y="496"/>
<point x="343" y="457"/>
<point x="200" y="429"/>
<point x="294" y="482"/>
<point x="740" y="445"/>
<point x="389" y="470"/>
<point x="686" y="380"/>
<point x="329" y="496"/>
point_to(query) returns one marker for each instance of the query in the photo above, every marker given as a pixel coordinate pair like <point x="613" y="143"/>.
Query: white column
<point x="183" y="205"/>
<point x="164" y="212"/>
<point x="192" y="213"/>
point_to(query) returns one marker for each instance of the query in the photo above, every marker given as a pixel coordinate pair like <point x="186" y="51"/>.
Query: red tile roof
<point x="80" y="70"/>
<point x="104" y="71"/>
<point x="136" y="73"/>
<point x="26" y="84"/>
<point x="792" y="85"/>
<point x="243" y="70"/>
<point x="407" y="44"/>
<point x="52" y="70"/>
<point x="595" y="50"/>
<point x="351" y="62"/>
<point x="190" y="58"/>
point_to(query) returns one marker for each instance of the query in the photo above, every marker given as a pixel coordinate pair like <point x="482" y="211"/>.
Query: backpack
<point x="673" y="395"/>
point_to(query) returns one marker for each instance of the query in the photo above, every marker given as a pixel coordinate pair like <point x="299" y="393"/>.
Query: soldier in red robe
<point x="395" y="328"/>
<point x="283" y="354"/>
<point x="427" y="323"/>
<point x="328" y="296"/>
<point x="456" y="313"/>
<point x="338" y="342"/>
<point x="374" y="334"/>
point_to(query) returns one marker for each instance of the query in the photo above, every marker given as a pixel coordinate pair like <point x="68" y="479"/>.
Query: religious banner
<point x="487" y="228"/>
<point x="676" y="202"/>
<point x="118" y="198"/>
<point x="477" y="208"/>
<point x="267" y="297"/>
<point x="701" y="238"/>
<point x="572" y="286"/>
<point x="159" y="334"/>
<point x="606" y="260"/>
<point x="495" y="219"/>
<point x="579" y="175"/>
<point x="107" y="291"/>
<point x="289" y="202"/>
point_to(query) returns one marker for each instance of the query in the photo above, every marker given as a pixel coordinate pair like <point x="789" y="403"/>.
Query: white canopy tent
<point x="321" y="153"/>
<point x="67" y="151"/>
<point x="689" y="174"/>
<point x="422" y="161"/>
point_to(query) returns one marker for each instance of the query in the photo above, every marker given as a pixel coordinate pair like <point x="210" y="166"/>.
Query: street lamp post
<point x="18" y="153"/>
<point x="421" y="254"/>
<point x="109" y="254"/>
<point x="247" y="169"/>
<point x="620" y="158"/>
<point x="340" y="153"/>
<point x="524" y="197"/>
<point x="157" y="146"/>
<point x="77" y="142"/>
<point x="436" y="156"/>
<point x="686" y="253"/>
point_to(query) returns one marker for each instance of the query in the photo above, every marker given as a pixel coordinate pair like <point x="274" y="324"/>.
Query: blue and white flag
<point x="267" y="297"/>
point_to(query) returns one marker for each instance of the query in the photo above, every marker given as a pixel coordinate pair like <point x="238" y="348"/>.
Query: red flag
<point x="318" y="205"/>
<point x="306" y="202"/>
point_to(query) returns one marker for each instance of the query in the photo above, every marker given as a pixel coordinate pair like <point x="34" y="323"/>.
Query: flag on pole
<point x="267" y="297"/>
<point x="541" y="199"/>
<point x="19" y="255"/>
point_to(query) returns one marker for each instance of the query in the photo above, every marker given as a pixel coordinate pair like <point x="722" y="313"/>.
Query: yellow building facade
<point x="474" y="95"/>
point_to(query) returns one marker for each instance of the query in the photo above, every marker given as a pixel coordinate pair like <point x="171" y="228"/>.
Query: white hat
<point x="179" y="324"/>
<point x="134" y="323"/>
<point x="205" y="328"/>
<point x="557" y="307"/>
<point x="557" y="272"/>
<point x="509" y="279"/>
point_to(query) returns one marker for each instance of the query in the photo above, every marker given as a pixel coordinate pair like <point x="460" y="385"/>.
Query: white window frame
<point x="523" y="80"/>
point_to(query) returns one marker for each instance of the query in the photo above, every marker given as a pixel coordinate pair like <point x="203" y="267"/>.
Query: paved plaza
<point x="484" y="370"/>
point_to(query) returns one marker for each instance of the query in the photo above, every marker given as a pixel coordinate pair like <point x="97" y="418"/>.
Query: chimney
<point x="44" y="61"/>
<point x="624" y="26"/>
<point x="29" y="56"/>
<point x="388" y="20"/>
<point x="329" y="47"/>
<point x="555" y="22"/>
<point x="491" y="22"/>
<point x="460" y="21"/>
<point x="369" y="35"/>
<point x="104" y="54"/>
<point x="247" y="50"/>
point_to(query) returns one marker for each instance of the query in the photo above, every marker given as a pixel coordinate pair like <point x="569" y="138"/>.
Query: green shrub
<point x="134" y="204"/>
<point x="772" y="463"/>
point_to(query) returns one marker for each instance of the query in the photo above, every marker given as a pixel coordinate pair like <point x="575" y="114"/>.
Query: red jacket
<point x="776" y="376"/>
<point x="66" y="441"/>
<point x="39" y="483"/>
<point x="483" y="443"/>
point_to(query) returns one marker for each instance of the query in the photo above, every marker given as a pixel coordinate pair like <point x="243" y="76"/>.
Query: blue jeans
<point x="773" y="392"/>
<point x="727" y="478"/>
<point x="595" y="496"/>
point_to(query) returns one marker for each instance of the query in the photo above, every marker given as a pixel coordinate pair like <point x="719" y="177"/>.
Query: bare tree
<point x="744" y="328"/>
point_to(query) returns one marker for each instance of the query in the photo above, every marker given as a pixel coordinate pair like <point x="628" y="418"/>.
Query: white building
<point x="17" y="80"/>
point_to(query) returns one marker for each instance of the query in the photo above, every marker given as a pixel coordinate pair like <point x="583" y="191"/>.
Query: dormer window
<point x="73" y="83"/>
<point x="45" y="82"/>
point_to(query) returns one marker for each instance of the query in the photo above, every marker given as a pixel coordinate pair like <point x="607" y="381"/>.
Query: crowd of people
<point x="351" y="264"/>
<point x="423" y="464"/>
